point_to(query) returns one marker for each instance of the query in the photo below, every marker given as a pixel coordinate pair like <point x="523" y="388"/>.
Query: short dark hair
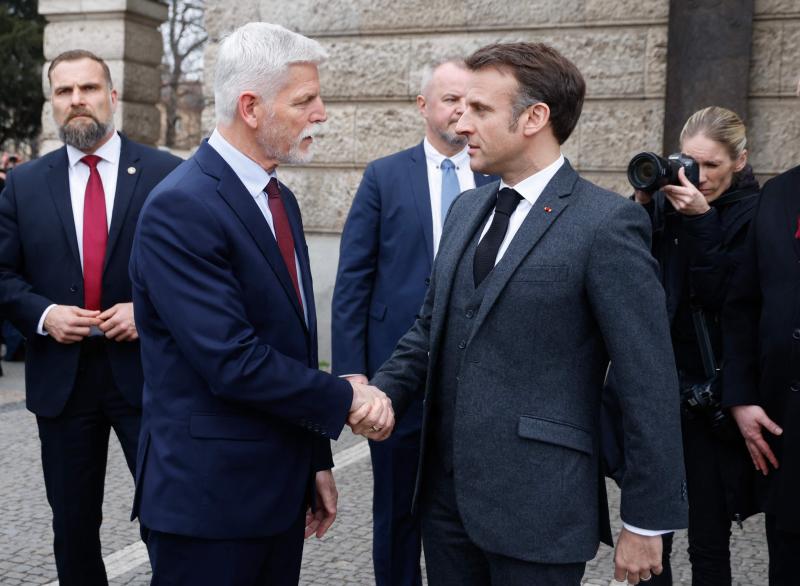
<point x="543" y="75"/>
<point x="77" y="55"/>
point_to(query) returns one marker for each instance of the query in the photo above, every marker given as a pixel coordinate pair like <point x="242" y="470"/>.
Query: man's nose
<point x="463" y="126"/>
<point x="77" y="96"/>
<point x="319" y="114"/>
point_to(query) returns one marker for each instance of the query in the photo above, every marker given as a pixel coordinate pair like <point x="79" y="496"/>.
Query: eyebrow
<point x="86" y="85"/>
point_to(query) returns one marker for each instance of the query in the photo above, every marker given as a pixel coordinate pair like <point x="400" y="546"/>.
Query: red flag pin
<point x="548" y="209"/>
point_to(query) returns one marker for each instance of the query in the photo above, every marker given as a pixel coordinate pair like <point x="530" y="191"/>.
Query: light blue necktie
<point x="450" y="188"/>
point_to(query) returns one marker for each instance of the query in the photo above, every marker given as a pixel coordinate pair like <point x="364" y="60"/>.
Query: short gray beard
<point x="295" y="156"/>
<point x="84" y="137"/>
<point x="451" y="138"/>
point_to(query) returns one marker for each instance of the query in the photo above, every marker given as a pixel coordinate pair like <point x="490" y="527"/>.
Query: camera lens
<point x="645" y="171"/>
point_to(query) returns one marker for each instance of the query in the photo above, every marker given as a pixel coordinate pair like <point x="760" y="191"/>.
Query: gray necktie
<point x="450" y="188"/>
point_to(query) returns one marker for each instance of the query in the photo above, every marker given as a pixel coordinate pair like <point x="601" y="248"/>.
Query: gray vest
<point x="465" y="301"/>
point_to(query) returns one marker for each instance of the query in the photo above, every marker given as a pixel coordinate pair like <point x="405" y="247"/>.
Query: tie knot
<point x="507" y="200"/>
<point x="91" y="161"/>
<point x="272" y="188"/>
<point x="447" y="165"/>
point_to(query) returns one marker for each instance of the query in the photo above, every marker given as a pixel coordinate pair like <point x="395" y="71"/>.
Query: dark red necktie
<point x="283" y="233"/>
<point x="95" y="235"/>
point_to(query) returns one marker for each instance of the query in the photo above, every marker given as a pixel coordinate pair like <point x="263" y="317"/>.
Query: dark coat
<point x="40" y="265"/>
<point x="385" y="260"/>
<point x="697" y="255"/>
<point x="576" y="286"/>
<point x="761" y="324"/>
<point x="236" y="418"/>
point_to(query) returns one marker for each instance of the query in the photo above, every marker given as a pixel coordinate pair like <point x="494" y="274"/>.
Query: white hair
<point x="255" y="57"/>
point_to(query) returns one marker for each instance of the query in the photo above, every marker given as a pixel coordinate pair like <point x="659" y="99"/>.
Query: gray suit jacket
<point x="576" y="288"/>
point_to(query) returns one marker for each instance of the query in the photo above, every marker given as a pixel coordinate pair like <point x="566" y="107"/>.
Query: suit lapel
<point x="126" y="184"/>
<point x="58" y="182"/>
<point x="538" y="221"/>
<point x="244" y="206"/>
<point x="418" y="176"/>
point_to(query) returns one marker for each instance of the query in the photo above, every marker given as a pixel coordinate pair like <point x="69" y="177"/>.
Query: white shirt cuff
<point x="646" y="532"/>
<point x="40" y="327"/>
<point x="351" y="374"/>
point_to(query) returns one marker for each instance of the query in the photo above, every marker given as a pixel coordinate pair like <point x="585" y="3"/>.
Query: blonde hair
<point x="720" y="125"/>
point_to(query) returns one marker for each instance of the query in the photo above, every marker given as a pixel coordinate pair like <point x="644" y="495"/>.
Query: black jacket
<point x="762" y="338"/>
<point x="697" y="256"/>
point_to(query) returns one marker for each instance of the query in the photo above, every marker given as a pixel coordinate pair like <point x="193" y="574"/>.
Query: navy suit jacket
<point x="40" y="265"/>
<point x="385" y="261"/>
<point x="236" y="417"/>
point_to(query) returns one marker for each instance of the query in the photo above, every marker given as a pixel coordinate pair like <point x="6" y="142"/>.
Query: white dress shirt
<point x="78" y="174"/>
<point x="466" y="180"/>
<point x="255" y="179"/>
<point x="530" y="189"/>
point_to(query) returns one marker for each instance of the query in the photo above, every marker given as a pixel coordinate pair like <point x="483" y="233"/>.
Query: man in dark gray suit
<point x="540" y="280"/>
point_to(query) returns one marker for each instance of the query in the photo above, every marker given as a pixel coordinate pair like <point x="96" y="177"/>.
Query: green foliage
<point x="21" y="59"/>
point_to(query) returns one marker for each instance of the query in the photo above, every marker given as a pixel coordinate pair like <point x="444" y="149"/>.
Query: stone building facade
<point x="379" y="48"/>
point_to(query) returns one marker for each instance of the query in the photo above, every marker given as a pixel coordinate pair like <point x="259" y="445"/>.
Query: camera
<point x="648" y="172"/>
<point x="702" y="399"/>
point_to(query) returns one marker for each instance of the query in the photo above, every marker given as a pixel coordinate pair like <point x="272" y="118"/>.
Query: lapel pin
<point x="548" y="209"/>
<point x="131" y="170"/>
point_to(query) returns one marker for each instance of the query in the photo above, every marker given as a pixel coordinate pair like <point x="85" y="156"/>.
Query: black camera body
<point x="701" y="398"/>
<point x="648" y="172"/>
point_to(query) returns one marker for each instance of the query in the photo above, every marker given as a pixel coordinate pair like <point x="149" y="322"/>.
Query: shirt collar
<point x="532" y="187"/>
<point x="251" y="174"/>
<point x="435" y="157"/>
<point x="108" y="152"/>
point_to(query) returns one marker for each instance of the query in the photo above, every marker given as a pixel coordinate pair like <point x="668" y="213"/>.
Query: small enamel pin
<point x="131" y="170"/>
<point x="548" y="209"/>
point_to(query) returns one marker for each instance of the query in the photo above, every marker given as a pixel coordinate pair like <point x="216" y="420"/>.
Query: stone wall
<point x="378" y="49"/>
<point x="773" y="108"/>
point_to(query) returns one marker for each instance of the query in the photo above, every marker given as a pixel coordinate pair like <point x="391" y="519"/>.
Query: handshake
<point x="371" y="413"/>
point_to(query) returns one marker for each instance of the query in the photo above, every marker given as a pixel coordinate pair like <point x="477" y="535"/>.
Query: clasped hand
<point x="68" y="323"/>
<point x="371" y="413"/>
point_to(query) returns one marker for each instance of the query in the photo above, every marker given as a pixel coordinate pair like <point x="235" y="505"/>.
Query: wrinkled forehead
<point x="493" y="86"/>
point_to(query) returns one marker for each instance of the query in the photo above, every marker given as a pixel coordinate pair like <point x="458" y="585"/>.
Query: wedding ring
<point x="375" y="429"/>
<point x="650" y="577"/>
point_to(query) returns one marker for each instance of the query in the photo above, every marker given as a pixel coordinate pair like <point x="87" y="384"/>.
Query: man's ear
<point x="114" y="100"/>
<point x="246" y="107"/>
<point x="535" y="118"/>
<point x="421" y="103"/>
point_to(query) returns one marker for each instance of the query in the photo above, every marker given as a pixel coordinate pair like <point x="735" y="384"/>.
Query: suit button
<point x="796" y="334"/>
<point x="73" y="288"/>
<point x="469" y="314"/>
<point x="795" y="386"/>
<point x="427" y="281"/>
<point x="462" y="344"/>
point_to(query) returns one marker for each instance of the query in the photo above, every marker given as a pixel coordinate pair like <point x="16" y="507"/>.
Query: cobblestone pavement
<point x="342" y="557"/>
